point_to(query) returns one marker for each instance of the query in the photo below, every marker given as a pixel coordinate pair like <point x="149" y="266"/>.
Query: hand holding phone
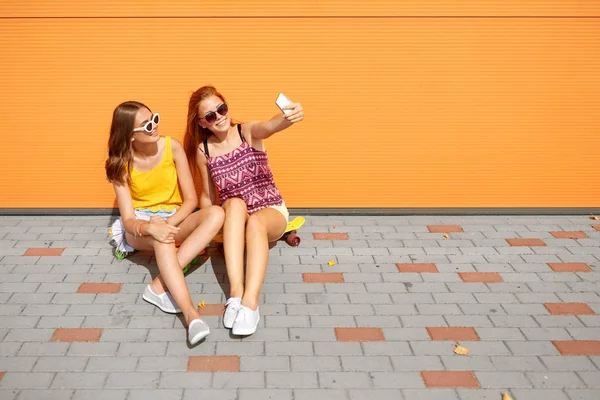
<point x="283" y="101"/>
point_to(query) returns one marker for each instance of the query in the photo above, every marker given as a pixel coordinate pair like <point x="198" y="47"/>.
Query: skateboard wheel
<point x="293" y="240"/>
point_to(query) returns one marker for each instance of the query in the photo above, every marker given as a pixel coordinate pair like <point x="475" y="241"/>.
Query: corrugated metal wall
<point x="408" y="104"/>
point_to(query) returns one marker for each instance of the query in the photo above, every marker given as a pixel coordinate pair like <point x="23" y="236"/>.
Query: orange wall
<point x="408" y="104"/>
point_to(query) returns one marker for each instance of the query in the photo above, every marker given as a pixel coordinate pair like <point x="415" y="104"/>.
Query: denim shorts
<point x="117" y="231"/>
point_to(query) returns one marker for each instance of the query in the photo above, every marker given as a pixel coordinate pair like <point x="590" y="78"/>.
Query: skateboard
<point x="290" y="236"/>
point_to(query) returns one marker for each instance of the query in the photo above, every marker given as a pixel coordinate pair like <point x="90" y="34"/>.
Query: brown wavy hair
<point x="194" y="133"/>
<point x="120" y="149"/>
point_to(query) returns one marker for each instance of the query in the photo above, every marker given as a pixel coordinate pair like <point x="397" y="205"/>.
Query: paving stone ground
<point x="521" y="293"/>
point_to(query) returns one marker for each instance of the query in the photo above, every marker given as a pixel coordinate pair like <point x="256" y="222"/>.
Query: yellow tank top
<point x="157" y="189"/>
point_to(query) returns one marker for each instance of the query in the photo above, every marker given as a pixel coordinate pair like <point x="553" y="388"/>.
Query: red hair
<point x="194" y="133"/>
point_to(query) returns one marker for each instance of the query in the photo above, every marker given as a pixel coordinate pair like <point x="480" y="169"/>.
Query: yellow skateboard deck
<point x="289" y="234"/>
<point x="295" y="224"/>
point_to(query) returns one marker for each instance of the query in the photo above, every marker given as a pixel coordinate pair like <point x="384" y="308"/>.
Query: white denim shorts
<point x="117" y="231"/>
<point x="283" y="210"/>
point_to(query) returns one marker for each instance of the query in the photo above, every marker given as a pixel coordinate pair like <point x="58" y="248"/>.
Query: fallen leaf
<point x="463" y="351"/>
<point x="593" y="217"/>
<point x="446" y="235"/>
<point x="334" y="227"/>
<point x="201" y="304"/>
<point x="505" y="396"/>
<point x="331" y="263"/>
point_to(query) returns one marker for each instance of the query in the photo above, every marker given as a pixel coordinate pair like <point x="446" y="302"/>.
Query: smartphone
<point x="283" y="101"/>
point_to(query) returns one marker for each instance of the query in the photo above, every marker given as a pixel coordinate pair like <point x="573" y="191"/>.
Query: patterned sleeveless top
<point x="244" y="173"/>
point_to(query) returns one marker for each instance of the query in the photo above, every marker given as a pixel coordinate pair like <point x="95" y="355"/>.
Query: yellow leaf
<point x="463" y="351"/>
<point x="201" y="304"/>
<point x="446" y="235"/>
<point x="331" y="263"/>
<point x="593" y="217"/>
<point x="334" y="227"/>
<point x="505" y="396"/>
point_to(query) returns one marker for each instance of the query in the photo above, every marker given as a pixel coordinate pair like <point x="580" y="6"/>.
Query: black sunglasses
<point x="212" y="116"/>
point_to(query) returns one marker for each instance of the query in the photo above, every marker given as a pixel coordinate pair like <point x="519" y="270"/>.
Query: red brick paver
<point x="480" y="277"/>
<point x="525" y="242"/>
<point x="359" y="334"/>
<point x="212" y="310"/>
<point x="99" y="288"/>
<point x="569" y="235"/>
<point x="449" y="379"/>
<point x="330" y="236"/>
<point x="420" y="268"/>
<point x="596" y="227"/>
<point x="213" y="364"/>
<point x="316" y="277"/>
<point x="76" y="335"/>
<point x="453" y="333"/>
<point x="578" y="347"/>
<point x="569" y="308"/>
<point x="569" y="267"/>
<point x="444" y="228"/>
<point x="44" y="252"/>
<point x="1" y="375"/>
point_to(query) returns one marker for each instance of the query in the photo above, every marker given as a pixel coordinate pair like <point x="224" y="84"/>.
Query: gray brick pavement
<point x="142" y="353"/>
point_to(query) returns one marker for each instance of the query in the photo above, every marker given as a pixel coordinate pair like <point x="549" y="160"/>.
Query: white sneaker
<point x="232" y="307"/>
<point x="197" y="331"/>
<point x="163" y="301"/>
<point x="246" y="321"/>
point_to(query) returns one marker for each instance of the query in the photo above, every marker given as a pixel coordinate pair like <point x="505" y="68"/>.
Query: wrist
<point x="172" y="221"/>
<point x="140" y="228"/>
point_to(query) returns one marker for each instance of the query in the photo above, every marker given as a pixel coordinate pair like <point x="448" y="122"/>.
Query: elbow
<point x="193" y="202"/>
<point x="205" y="202"/>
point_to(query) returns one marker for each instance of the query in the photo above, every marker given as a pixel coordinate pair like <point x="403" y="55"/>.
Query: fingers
<point x="165" y="233"/>
<point x="293" y="120"/>
<point x="297" y="113"/>
<point x="173" y="229"/>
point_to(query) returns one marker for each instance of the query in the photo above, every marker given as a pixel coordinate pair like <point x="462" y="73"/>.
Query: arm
<point x="126" y="207"/>
<point x="207" y="195"/>
<point x="264" y="129"/>
<point x="186" y="184"/>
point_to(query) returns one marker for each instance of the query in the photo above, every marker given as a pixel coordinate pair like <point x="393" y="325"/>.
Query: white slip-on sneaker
<point x="232" y="307"/>
<point x="163" y="301"/>
<point x="197" y="331"/>
<point x="246" y="321"/>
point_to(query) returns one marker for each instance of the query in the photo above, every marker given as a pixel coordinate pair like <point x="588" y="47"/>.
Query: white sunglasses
<point x="150" y="125"/>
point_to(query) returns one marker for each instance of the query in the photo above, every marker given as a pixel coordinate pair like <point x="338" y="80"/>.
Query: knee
<point x="162" y="247"/>
<point x="235" y="205"/>
<point x="217" y="214"/>
<point x="255" y="226"/>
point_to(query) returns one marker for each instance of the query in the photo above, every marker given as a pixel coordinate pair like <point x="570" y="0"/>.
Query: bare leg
<point x="236" y="214"/>
<point x="170" y="270"/>
<point x="262" y="227"/>
<point x="196" y="232"/>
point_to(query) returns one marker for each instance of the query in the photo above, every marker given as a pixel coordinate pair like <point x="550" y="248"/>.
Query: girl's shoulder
<point x="175" y="143"/>
<point x="246" y="130"/>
